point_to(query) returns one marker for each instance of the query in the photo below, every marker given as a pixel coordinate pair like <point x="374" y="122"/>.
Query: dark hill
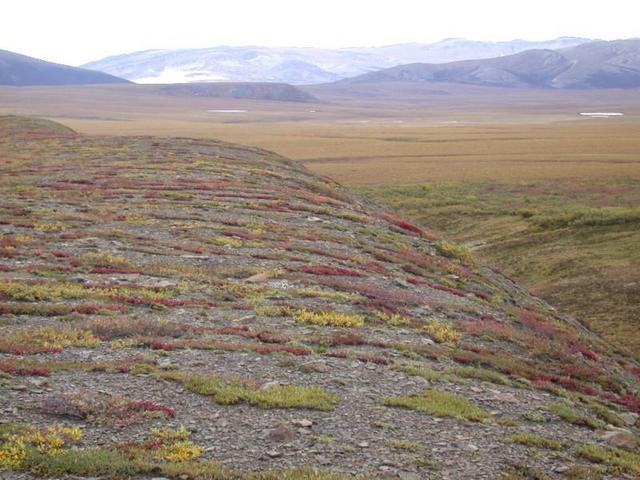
<point x="20" y="70"/>
<point x="593" y="65"/>
<point x="280" y="92"/>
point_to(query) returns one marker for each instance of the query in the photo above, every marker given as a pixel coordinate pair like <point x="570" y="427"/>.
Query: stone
<point x="363" y="444"/>
<point x="38" y="382"/>
<point x="273" y="454"/>
<point x="303" y="423"/>
<point x="314" y="366"/>
<point x="268" y="385"/>
<point x="620" y="439"/>
<point x="629" y="418"/>
<point x="161" y="284"/>
<point x="257" y="278"/>
<point x="506" y="397"/>
<point x="282" y="434"/>
<point x="408" y="476"/>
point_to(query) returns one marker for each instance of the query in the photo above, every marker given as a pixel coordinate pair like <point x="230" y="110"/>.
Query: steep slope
<point x="20" y="70"/>
<point x="148" y="283"/>
<point x="280" y="92"/>
<point x="593" y="65"/>
<point x="300" y="65"/>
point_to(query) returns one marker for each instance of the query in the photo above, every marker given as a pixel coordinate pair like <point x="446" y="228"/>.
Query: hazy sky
<point x="77" y="31"/>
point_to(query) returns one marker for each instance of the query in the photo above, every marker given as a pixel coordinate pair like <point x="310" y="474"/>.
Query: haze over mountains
<point x="21" y="70"/>
<point x="301" y="65"/>
<point x="593" y="65"/>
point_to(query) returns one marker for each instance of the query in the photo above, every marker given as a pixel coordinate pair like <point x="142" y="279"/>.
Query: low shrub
<point x="441" y="332"/>
<point x="330" y="318"/>
<point x="533" y="440"/>
<point x="226" y="392"/>
<point x="440" y="404"/>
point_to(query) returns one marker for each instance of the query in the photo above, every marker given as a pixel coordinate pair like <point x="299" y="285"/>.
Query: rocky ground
<point x="191" y="309"/>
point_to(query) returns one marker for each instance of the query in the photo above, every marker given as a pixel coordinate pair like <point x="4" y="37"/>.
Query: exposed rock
<point x="314" y="366"/>
<point x="273" y="453"/>
<point x="629" y="418"/>
<point x="282" y="434"/>
<point x="258" y="278"/>
<point x="303" y="423"/>
<point x="620" y="438"/>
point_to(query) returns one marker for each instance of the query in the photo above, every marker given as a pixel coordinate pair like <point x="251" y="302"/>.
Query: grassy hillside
<point x="571" y="242"/>
<point x="197" y="309"/>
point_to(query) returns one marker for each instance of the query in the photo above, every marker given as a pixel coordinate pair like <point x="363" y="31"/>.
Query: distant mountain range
<point x="20" y="70"/>
<point x="268" y="73"/>
<point x="613" y="64"/>
<point x="301" y="66"/>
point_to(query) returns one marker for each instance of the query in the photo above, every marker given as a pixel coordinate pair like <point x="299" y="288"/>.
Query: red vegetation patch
<point x="160" y="345"/>
<point x="299" y="352"/>
<point x="115" y="410"/>
<point x="112" y="328"/>
<point x="374" y="267"/>
<point x="108" y="271"/>
<point x="492" y="328"/>
<point x="537" y="323"/>
<point x="403" y="224"/>
<point x="452" y="291"/>
<point x="154" y="407"/>
<point x="380" y="296"/>
<point x="634" y="370"/>
<point x="378" y="360"/>
<point x="165" y="302"/>
<point x="12" y="369"/>
<point x="350" y="339"/>
<point x="338" y="354"/>
<point x="268" y="337"/>
<point x="588" y="354"/>
<point x="330" y="271"/>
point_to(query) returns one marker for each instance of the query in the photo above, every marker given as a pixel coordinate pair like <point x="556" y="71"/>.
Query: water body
<point x="227" y="111"/>
<point x="602" y="114"/>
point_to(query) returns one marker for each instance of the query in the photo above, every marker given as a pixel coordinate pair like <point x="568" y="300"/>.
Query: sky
<point x="78" y="31"/>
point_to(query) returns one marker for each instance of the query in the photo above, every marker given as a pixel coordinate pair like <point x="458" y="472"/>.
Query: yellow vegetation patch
<point x="441" y="332"/>
<point x="51" y="442"/>
<point x="47" y="338"/>
<point x="50" y="227"/>
<point x="395" y="319"/>
<point x="333" y="319"/>
<point x="105" y="260"/>
<point x="227" y="242"/>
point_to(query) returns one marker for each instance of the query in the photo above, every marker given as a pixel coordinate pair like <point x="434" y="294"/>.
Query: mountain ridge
<point x="314" y="65"/>
<point x="614" y="64"/>
<point x="21" y="70"/>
